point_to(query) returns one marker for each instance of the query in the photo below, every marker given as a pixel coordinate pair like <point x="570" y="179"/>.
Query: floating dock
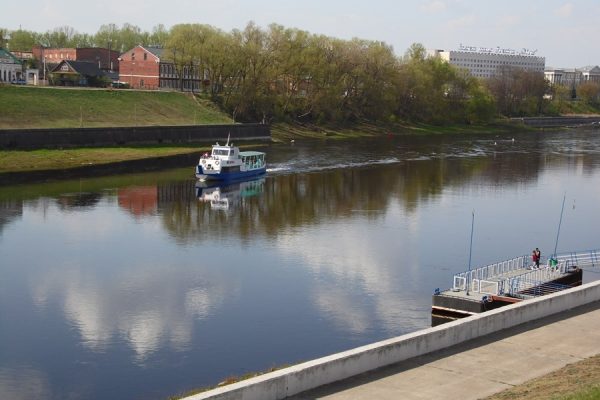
<point x="508" y="282"/>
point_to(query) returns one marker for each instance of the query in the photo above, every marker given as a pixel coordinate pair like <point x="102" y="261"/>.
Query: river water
<point x="149" y="285"/>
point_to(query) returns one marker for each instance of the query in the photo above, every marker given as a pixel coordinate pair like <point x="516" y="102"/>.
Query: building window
<point x="132" y="56"/>
<point x="141" y="83"/>
<point x="145" y="56"/>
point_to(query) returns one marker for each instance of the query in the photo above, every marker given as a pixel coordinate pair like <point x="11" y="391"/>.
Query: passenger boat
<point x="227" y="163"/>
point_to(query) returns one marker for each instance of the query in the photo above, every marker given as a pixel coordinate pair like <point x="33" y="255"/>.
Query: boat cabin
<point x="224" y="151"/>
<point x="253" y="159"/>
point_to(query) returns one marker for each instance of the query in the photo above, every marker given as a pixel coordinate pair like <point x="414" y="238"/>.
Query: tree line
<point x="287" y="74"/>
<point x="110" y="35"/>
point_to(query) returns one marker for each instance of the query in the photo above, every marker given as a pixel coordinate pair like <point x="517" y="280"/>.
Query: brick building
<point x="145" y="68"/>
<point x="106" y="59"/>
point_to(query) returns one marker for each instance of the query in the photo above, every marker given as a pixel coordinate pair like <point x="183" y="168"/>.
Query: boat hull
<point x="228" y="176"/>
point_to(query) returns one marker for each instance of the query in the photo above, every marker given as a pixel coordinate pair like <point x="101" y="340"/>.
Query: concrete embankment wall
<point x="312" y="374"/>
<point x="549" y="122"/>
<point x="80" y="137"/>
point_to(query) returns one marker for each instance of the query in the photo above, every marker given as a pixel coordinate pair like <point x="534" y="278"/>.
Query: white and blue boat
<point x="227" y="163"/>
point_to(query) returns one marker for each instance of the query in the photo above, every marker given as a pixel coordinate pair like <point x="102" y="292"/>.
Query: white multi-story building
<point x="10" y="67"/>
<point x="485" y="62"/>
<point x="572" y="76"/>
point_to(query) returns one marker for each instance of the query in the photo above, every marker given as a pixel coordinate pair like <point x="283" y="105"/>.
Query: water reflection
<point x="225" y="196"/>
<point x="78" y="200"/>
<point x="23" y="383"/>
<point x="10" y="210"/>
<point x="143" y="306"/>
<point x="151" y="276"/>
<point x="138" y="200"/>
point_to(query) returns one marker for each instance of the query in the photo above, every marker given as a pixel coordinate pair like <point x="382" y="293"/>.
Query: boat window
<point x="220" y="152"/>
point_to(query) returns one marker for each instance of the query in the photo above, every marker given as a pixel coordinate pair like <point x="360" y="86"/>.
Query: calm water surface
<point x="148" y="285"/>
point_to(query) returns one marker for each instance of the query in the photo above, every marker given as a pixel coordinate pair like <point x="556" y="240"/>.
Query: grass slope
<point x="577" y="381"/>
<point x="40" y="160"/>
<point x="42" y="107"/>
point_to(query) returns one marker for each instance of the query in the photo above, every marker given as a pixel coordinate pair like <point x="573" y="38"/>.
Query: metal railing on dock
<point x="582" y="259"/>
<point x="516" y="277"/>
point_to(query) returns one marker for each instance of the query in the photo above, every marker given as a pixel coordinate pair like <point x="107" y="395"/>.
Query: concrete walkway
<point x="480" y="367"/>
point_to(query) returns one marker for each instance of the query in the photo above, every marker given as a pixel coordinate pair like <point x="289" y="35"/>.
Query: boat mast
<point x="559" y="223"/>
<point x="470" y="250"/>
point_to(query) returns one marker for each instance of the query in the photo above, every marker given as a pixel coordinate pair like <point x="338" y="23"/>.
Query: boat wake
<point x="305" y="167"/>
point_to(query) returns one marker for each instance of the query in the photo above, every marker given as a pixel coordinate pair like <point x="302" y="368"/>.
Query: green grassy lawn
<point x="573" y="107"/>
<point x="43" y="107"/>
<point x="38" y="160"/>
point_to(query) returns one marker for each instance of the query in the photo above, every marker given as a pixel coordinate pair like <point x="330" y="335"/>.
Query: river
<point x="149" y="285"/>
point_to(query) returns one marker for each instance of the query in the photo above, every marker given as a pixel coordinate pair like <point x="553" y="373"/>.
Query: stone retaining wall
<point x="85" y="137"/>
<point x="309" y="375"/>
<point x="548" y="122"/>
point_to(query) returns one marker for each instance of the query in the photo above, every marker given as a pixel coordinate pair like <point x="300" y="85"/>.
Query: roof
<point x="81" y="67"/>
<point x="251" y="153"/>
<point x="7" y="57"/>
<point x="589" y="68"/>
<point x="156" y="51"/>
<point x="112" y="75"/>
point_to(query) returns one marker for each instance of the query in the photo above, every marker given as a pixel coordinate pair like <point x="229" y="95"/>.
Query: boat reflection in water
<point x="225" y="196"/>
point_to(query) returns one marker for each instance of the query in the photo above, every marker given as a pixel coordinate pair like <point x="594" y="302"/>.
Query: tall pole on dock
<point x="559" y="223"/>
<point x="470" y="251"/>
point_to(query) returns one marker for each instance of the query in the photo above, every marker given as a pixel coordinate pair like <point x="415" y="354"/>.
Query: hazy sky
<point x="565" y="32"/>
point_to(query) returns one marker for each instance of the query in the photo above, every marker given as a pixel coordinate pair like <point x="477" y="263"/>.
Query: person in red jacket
<point x="535" y="262"/>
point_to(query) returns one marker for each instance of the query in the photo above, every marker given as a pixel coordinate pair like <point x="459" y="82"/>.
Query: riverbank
<point x="42" y="160"/>
<point x="19" y="161"/>
<point x="38" y="107"/>
<point x="284" y="132"/>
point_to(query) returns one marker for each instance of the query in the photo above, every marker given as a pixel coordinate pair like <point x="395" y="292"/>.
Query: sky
<point x="564" y="32"/>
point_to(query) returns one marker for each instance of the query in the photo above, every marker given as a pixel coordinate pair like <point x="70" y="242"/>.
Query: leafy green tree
<point x="416" y="53"/>
<point x="22" y="40"/>
<point x="159" y="36"/>
<point x="252" y="98"/>
<point x="109" y="36"/>
<point x="82" y="40"/>
<point x="221" y="65"/>
<point x="589" y="92"/>
<point x="185" y="49"/>
<point x="518" y="92"/>
<point x="4" y="35"/>
<point x="60" y="37"/>
<point x="119" y="39"/>
<point x="480" y="106"/>
<point x="130" y="36"/>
